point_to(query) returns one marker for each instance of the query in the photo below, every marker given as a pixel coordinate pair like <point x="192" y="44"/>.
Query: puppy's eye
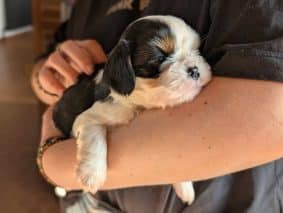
<point x="161" y="59"/>
<point x="157" y="60"/>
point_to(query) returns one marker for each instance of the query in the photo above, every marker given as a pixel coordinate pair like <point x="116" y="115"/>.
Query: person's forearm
<point x="233" y="125"/>
<point x="37" y="88"/>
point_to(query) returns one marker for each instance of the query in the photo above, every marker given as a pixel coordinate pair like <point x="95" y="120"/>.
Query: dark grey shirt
<point x="240" y="38"/>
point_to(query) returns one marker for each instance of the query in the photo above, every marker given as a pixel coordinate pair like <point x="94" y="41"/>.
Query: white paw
<point x="92" y="175"/>
<point x="185" y="191"/>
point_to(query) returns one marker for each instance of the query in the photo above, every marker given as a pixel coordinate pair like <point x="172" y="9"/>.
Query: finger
<point x="95" y="50"/>
<point x="65" y="82"/>
<point x="50" y="83"/>
<point x="58" y="63"/>
<point x="76" y="67"/>
<point x="78" y="55"/>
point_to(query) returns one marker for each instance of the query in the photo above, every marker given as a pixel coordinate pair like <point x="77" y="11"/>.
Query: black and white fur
<point x="156" y="64"/>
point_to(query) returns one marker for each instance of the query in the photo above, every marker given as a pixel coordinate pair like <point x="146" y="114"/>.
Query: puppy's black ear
<point x="118" y="71"/>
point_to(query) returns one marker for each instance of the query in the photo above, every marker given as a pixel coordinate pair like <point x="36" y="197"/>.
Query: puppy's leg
<point x="91" y="152"/>
<point x="185" y="191"/>
<point x="90" y="130"/>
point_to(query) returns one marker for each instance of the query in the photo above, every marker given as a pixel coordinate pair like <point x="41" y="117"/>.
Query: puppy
<point x="156" y="64"/>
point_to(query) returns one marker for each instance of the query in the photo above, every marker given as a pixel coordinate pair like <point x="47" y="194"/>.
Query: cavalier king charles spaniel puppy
<point x="155" y="64"/>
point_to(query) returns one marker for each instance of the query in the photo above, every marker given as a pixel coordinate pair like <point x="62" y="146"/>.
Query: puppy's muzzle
<point x="193" y="72"/>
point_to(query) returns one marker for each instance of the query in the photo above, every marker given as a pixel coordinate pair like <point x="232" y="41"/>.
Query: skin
<point x="222" y="131"/>
<point x="61" y="69"/>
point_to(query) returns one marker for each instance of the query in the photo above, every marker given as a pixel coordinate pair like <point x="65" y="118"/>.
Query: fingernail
<point x="89" y="69"/>
<point x="60" y="92"/>
<point x="74" y="78"/>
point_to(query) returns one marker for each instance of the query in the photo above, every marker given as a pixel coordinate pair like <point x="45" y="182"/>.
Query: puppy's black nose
<point x="193" y="72"/>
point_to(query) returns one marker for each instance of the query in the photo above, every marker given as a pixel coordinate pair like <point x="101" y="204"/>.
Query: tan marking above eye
<point x="166" y="44"/>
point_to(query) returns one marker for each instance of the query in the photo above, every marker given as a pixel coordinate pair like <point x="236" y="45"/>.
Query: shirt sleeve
<point x="58" y="37"/>
<point x="102" y="20"/>
<point x="248" y="42"/>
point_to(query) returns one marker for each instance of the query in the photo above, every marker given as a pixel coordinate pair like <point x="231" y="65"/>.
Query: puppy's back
<point x="75" y="100"/>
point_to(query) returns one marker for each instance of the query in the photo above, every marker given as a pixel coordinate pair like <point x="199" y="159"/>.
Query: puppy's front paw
<point x="92" y="175"/>
<point x="185" y="191"/>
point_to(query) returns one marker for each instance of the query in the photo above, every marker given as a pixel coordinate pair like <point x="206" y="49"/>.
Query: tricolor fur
<point x="156" y="64"/>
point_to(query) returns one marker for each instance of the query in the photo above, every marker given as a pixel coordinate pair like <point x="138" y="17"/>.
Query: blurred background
<point x="25" y="28"/>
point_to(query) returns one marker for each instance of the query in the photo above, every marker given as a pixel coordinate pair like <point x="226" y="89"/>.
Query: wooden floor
<point x="22" y="188"/>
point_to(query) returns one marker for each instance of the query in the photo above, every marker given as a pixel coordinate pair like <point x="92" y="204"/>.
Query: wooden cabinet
<point x="46" y="18"/>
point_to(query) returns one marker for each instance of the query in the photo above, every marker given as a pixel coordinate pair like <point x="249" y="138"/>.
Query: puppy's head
<point x="157" y="62"/>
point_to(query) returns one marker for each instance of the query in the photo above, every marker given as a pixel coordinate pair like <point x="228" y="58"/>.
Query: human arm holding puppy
<point x="221" y="131"/>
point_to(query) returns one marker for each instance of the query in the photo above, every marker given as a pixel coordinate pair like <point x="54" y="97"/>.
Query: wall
<point x="2" y="18"/>
<point x="18" y="13"/>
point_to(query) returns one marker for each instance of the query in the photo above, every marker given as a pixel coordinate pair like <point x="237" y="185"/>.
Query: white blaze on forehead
<point x="173" y="86"/>
<point x="185" y="36"/>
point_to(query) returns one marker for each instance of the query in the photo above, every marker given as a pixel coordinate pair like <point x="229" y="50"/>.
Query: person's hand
<point x="70" y="59"/>
<point x="48" y="128"/>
